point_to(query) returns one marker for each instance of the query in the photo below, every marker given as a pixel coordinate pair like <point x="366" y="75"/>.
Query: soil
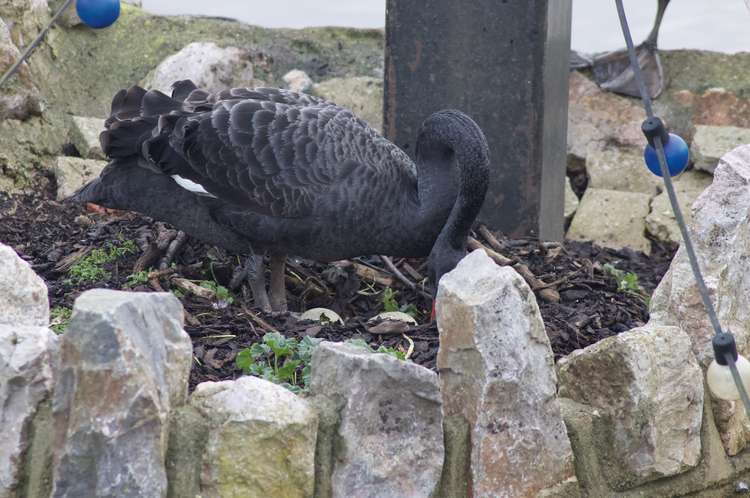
<point x="54" y="236"/>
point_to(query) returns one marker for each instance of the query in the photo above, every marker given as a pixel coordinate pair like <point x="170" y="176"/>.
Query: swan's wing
<point x="268" y="150"/>
<point x="196" y="99"/>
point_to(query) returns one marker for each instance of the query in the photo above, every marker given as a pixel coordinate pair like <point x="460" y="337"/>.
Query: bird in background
<point x="272" y="172"/>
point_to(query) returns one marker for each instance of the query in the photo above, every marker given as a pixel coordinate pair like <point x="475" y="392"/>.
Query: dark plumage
<point x="288" y="173"/>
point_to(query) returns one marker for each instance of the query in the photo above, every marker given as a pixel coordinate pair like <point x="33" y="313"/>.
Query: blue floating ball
<point x="98" y="13"/>
<point x="676" y="152"/>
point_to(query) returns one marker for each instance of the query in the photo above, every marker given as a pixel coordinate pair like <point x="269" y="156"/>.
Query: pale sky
<point x="722" y="25"/>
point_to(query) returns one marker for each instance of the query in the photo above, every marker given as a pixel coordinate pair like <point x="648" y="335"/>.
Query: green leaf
<point x="280" y="345"/>
<point x="389" y="300"/>
<point x="306" y="347"/>
<point x="245" y="360"/>
<point x="260" y="350"/>
<point x="360" y="343"/>
<point x="399" y="355"/>
<point x="286" y="372"/>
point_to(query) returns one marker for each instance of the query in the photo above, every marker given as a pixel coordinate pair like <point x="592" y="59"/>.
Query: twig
<point x="371" y="274"/>
<point x="195" y="289"/>
<point x="549" y="295"/>
<point x="258" y="320"/>
<point x="412" y="272"/>
<point x="411" y="347"/>
<point x="397" y="273"/>
<point x="498" y="258"/>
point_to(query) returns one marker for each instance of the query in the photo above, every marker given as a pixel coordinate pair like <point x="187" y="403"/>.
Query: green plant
<point x="138" y="278"/>
<point x="91" y="267"/>
<point x="222" y="293"/>
<point x="59" y="318"/>
<point x="281" y="360"/>
<point x="390" y="304"/>
<point x="399" y="355"/>
<point x="627" y="282"/>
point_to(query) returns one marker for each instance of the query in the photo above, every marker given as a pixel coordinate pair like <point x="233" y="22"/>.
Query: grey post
<point x="505" y="63"/>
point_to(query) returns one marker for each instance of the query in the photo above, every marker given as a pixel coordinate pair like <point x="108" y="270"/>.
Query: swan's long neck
<point x="453" y="159"/>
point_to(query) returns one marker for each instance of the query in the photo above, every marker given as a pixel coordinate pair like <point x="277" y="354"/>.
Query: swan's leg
<point x="257" y="279"/>
<point x="278" y="287"/>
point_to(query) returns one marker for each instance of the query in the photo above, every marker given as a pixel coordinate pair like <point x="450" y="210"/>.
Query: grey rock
<point x="571" y="199"/>
<point x="28" y="355"/>
<point x="19" y="98"/>
<point x="124" y="363"/>
<point x="650" y="401"/>
<point x="721" y="235"/>
<point x="298" y="81"/>
<point x="612" y="219"/>
<point x="660" y="222"/>
<point x="72" y="173"/>
<point x="381" y="429"/>
<point x="256" y="440"/>
<point x="85" y="137"/>
<point x="597" y="118"/>
<point x="209" y="66"/>
<point x="499" y="386"/>
<point x="620" y="168"/>
<point x="710" y="143"/>
<point x="23" y="294"/>
<point x="362" y="95"/>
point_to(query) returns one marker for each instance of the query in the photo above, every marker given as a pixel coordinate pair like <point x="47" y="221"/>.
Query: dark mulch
<point x="52" y="236"/>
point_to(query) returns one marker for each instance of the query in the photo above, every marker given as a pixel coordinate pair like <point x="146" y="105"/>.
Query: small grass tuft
<point x="59" y="318"/>
<point x="91" y="268"/>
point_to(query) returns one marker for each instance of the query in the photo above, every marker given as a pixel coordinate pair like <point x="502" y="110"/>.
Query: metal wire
<point x="26" y="53"/>
<point x="687" y="241"/>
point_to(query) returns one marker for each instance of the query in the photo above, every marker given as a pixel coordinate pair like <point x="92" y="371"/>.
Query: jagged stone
<point x="612" y="219"/>
<point x="650" y="401"/>
<point x="23" y="294"/>
<point x="73" y="173"/>
<point x="597" y="118"/>
<point x="28" y="353"/>
<point x="85" y="137"/>
<point x="298" y="81"/>
<point x="124" y="363"/>
<point x="721" y="235"/>
<point x="660" y="222"/>
<point x="620" y="169"/>
<point x="710" y="143"/>
<point x="247" y="438"/>
<point x="381" y="429"/>
<point x="362" y="95"/>
<point x="19" y="98"/>
<point x="209" y="66"/>
<point x="499" y="386"/>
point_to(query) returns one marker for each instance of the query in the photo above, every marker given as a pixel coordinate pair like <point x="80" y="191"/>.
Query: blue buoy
<point x="676" y="152"/>
<point x="98" y="14"/>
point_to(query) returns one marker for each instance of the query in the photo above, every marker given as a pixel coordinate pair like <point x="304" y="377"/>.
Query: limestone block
<point x="499" y="386"/>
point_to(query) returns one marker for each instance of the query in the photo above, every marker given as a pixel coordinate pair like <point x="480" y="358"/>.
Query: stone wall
<point x="103" y="410"/>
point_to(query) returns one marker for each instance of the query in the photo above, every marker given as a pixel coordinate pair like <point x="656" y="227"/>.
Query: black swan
<point x="272" y="171"/>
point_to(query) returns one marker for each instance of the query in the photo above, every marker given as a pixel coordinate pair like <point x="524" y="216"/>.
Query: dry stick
<point x="403" y="278"/>
<point x="371" y="274"/>
<point x="195" y="289"/>
<point x="549" y="295"/>
<point x="411" y="347"/>
<point x="258" y="320"/>
<point x="397" y="273"/>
